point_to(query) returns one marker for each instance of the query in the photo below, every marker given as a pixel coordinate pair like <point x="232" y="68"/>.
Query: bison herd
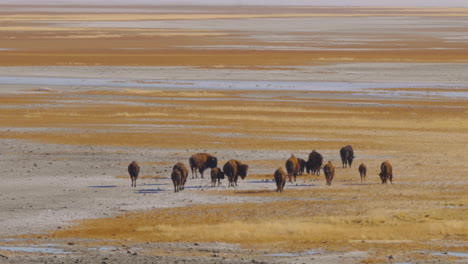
<point x="233" y="169"/>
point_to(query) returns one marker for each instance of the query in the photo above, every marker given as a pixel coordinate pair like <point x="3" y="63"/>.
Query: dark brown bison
<point x="280" y="179"/>
<point x="233" y="169"/>
<point x="202" y="161"/>
<point x="292" y="167"/>
<point x="347" y="155"/>
<point x="362" y="171"/>
<point x="179" y="176"/>
<point x="314" y="163"/>
<point x="386" y="172"/>
<point x="329" y="171"/>
<point x="302" y="165"/>
<point x="216" y="174"/>
<point x="133" y="170"/>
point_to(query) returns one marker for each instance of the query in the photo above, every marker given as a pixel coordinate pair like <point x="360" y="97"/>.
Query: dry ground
<point x="424" y="210"/>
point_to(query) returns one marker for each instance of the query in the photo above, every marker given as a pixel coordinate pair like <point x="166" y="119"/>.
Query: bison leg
<point x="194" y="171"/>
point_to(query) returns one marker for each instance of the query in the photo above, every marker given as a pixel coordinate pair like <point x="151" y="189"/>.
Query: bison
<point x="314" y="163"/>
<point x="179" y="176"/>
<point x="292" y="167"/>
<point x="216" y="174"/>
<point x="133" y="170"/>
<point x="386" y="172"/>
<point x="302" y="165"/>
<point x="362" y="171"/>
<point x="329" y="171"/>
<point x="233" y="169"/>
<point x="347" y="155"/>
<point x="280" y="179"/>
<point x="202" y="161"/>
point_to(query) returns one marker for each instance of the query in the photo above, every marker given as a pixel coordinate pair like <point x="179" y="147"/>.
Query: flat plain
<point x="87" y="89"/>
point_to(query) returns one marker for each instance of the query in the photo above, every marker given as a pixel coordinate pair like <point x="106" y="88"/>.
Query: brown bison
<point x="302" y="165"/>
<point x="133" y="170"/>
<point x="347" y="155"/>
<point x="202" y="161"/>
<point x="216" y="174"/>
<point x="386" y="172"/>
<point x="329" y="171"/>
<point x="314" y="163"/>
<point x="233" y="169"/>
<point x="292" y="167"/>
<point x="280" y="179"/>
<point x="179" y="176"/>
<point x="362" y="171"/>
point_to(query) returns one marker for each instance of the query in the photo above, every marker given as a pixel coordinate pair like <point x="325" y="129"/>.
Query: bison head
<point x="242" y="170"/>
<point x="350" y="160"/>
<point x="221" y="174"/>
<point x="212" y="162"/>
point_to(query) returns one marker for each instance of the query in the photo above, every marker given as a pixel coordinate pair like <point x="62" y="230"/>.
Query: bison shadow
<point x="103" y="186"/>
<point x="262" y="181"/>
<point x="197" y="187"/>
<point x="145" y="191"/>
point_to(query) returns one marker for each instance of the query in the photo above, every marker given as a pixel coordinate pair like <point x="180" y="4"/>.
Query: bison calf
<point x="329" y="171"/>
<point x="386" y="172"/>
<point x="280" y="179"/>
<point x="362" y="171"/>
<point x="216" y="174"/>
<point x="302" y="165"/>
<point x="133" y="170"/>
<point x="179" y="176"/>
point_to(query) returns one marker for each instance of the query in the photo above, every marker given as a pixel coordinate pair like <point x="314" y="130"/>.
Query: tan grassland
<point x="425" y="208"/>
<point x="54" y="42"/>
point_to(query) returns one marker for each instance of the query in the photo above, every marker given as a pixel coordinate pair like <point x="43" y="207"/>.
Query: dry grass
<point x="291" y="225"/>
<point x="55" y="44"/>
<point x="423" y="210"/>
<point x="267" y="125"/>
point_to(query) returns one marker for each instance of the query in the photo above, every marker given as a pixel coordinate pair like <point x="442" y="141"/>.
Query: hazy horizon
<point x="381" y="3"/>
